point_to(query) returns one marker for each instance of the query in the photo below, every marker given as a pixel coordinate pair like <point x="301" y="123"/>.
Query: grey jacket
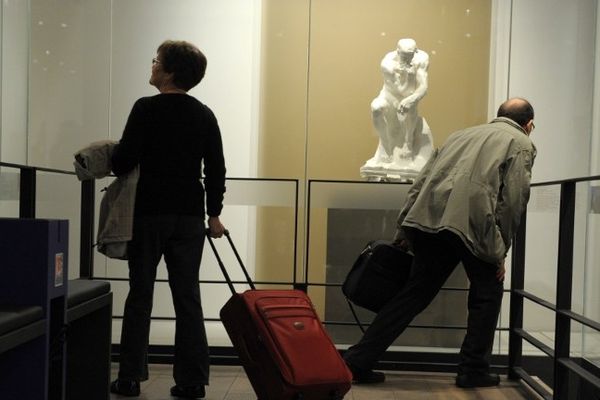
<point x="477" y="186"/>
<point x="115" y="223"/>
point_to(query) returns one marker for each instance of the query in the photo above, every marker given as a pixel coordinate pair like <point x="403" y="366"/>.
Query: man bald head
<point x="520" y="111"/>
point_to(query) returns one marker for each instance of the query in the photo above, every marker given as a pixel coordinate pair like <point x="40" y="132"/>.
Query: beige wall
<point x="320" y="72"/>
<point x="349" y="39"/>
<point x="281" y="147"/>
<point x="284" y="70"/>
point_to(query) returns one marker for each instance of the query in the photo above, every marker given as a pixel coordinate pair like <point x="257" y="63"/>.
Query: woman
<point x="171" y="136"/>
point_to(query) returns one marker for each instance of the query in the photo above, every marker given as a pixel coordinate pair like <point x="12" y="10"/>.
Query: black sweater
<point x="171" y="136"/>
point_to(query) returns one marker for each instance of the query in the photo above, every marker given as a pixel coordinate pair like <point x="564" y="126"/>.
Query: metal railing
<point x="563" y="363"/>
<point x="564" y="366"/>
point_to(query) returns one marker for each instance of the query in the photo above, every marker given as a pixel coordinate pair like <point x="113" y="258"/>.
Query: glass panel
<point x="348" y="40"/>
<point x="541" y="253"/>
<point x="357" y="195"/>
<point x="9" y="192"/>
<point x="540" y="26"/>
<point x="227" y="32"/>
<point x="344" y="217"/>
<point x="261" y="216"/>
<point x="356" y="213"/>
<point x="69" y="82"/>
<point x="284" y="69"/>
<point x="14" y="80"/>
<point x="250" y="206"/>
<point x="162" y="332"/>
<point x="325" y="129"/>
<point x="538" y="321"/>
<point x="580" y="245"/>
<point x="501" y="344"/>
<point x="436" y="327"/>
<point x="272" y="193"/>
<point x="591" y="346"/>
<point x="591" y="280"/>
<point x="303" y="76"/>
<point x="58" y="197"/>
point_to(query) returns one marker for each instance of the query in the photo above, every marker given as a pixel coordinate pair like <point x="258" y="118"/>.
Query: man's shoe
<point x="365" y="376"/>
<point x="477" y="380"/>
<point x="125" y="387"/>
<point x="368" y="376"/>
<point x="188" y="392"/>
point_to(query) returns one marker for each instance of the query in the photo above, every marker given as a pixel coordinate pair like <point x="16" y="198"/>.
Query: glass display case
<point x="291" y="83"/>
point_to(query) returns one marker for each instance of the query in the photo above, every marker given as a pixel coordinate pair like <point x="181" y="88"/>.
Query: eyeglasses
<point x="155" y="61"/>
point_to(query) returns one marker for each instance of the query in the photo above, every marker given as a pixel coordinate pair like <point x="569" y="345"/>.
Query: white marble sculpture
<point x="405" y="141"/>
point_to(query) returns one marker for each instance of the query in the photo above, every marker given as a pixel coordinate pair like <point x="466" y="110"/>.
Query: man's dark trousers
<point x="436" y="256"/>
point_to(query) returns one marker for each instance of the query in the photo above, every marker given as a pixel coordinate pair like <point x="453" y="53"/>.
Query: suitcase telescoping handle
<point x="222" y="266"/>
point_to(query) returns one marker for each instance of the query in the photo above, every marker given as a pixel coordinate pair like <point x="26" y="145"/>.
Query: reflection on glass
<point x="9" y="192"/>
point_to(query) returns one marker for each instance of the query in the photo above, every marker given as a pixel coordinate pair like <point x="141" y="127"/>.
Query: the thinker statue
<point x="405" y="141"/>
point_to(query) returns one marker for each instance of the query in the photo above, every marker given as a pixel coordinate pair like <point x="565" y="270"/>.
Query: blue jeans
<point x="180" y="239"/>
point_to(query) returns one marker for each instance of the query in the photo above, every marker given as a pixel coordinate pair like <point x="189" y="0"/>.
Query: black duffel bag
<point x="378" y="274"/>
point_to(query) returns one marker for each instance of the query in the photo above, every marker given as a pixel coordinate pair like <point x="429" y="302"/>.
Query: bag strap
<point x="355" y="315"/>
<point x="222" y="266"/>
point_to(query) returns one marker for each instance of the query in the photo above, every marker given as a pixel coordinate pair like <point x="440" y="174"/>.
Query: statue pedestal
<point x="403" y="167"/>
<point x="387" y="174"/>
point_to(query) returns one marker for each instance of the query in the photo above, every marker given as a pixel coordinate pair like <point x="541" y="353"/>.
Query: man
<point x="465" y="206"/>
<point x="394" y="111"/>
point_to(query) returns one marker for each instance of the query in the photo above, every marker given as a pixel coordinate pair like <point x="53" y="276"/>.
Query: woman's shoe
<point x="125" y="387"/>
<point x="188" y="392"/>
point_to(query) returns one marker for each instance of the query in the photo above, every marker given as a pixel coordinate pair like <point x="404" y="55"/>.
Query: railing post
<point x="296" y="211"/>
<point x="517" y="282"/>
<point x="307" y="207"/>
<point x="86" y="253"/>
<point x="564" y="284"/>
<point x="27" y="193"/>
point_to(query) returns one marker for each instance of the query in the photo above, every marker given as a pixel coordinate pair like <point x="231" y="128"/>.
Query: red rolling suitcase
<point x="281" y="342"/>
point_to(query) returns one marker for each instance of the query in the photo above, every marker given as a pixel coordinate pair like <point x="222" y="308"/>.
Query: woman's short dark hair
<point x="517" y="109"/>
<point x="184" y="60"/>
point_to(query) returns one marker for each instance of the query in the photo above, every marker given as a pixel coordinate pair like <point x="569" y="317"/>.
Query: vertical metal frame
<point x="27" y="192"/>
<point x="564" y="284"/>
<point x="307" y="206"/>
<point x="297" y="197"/>
<point x="86" y="244"/>
<point x="517" y="282"/>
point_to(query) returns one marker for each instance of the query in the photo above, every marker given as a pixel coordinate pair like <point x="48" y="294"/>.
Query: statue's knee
<point x="376" y="114"/>
<point x="378" y="105"/>
<point x="377" y="110"/>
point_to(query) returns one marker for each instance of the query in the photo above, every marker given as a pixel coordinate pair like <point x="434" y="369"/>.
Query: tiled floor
<point x="230" y="383"/>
